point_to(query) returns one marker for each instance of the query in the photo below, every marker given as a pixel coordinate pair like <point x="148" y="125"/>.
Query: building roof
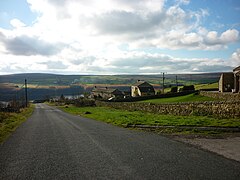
<point x="107" y="90"/>
<point x="144" y="86"/>
<point x="236" y="70"/>
<point x="146" y="89"/>
<point x="142" y="83"/>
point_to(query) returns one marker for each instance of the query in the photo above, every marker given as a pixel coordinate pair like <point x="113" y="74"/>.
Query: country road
<point x="52" y="144"/>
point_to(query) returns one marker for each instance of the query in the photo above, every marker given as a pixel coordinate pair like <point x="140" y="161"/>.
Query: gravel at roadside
<point x="227" y="146"/>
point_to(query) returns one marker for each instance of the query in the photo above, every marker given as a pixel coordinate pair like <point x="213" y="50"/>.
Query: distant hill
<point x="55" y="79"/>
<point x="41" y="86"/>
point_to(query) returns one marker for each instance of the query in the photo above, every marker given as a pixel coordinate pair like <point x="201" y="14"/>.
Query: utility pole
<point x="26" y="97"/>
<point x="176" y="81"/>
<point x="163" y="79"/>
<point x="191" y="79"/>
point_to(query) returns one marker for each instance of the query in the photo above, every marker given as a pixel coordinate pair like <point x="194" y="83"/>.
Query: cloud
<point x="25" y="45"/>
<point x="133" y="62"/>
<point x="184" y="2"/>
<point x="229" y="36"/>
<point x="89" y="60"/>
<point x="235" y="58"/>
<point x="52" y="65"/>
<point x="114" y="36"/>
<point x="138" y="23"/>
<point x="17" y="23"/>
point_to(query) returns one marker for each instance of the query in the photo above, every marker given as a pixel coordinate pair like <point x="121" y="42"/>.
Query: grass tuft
<point x="123" y="118"/>
<point x="10" y="121"/>
<point x="186" y="98"/>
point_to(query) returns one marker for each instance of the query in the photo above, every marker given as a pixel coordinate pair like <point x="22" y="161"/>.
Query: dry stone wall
<point x="218" y="109"/>
<point x="223" y="96"/>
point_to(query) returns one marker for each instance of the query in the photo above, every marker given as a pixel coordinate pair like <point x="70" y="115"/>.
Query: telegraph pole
<point x="163" y="79"/>
<point x="176" y="81"/>
<point x="26" y="97"/>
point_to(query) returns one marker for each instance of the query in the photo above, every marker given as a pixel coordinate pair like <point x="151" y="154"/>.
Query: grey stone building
<point x="142" y="88"/>
<point x="230" y="82"/>
<point x="106" y="93"/>
<point x="236" y="73"/>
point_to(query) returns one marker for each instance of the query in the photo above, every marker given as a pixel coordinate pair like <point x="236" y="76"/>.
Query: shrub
<point x="187" y="88"/>
<point x="83" y="102"/>
<point x="159" y="92"/>
<point x="174" y="89"/>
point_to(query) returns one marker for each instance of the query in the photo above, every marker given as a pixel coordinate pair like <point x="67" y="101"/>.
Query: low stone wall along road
<point x="52" y="144"/>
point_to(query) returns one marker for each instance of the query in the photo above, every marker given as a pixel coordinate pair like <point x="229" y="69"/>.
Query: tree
<point x="174" y="89"/>
<point x="62" y="98"/>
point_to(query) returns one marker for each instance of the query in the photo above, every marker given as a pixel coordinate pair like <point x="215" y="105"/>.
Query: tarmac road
<point x="52" y="144"/>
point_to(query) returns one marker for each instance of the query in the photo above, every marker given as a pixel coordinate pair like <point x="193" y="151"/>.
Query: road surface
<point x="52" y="144"/>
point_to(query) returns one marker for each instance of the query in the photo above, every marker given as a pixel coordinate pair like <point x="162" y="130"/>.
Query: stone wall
<point x="217" y="109"/>
<point x="167" y="95"/>
<point x="223" y="96"/>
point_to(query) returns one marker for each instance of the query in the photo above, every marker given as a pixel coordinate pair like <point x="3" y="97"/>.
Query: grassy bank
<point x="186" y="98"/>
<point x="10" y="121"/>
<point x="123" y="118"/>
<point x="206" y="86"/>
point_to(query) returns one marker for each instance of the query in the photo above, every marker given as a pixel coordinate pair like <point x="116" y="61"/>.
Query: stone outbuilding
<point x="226" y="83"/>
<point x="106" y="93"/>
<point x="236" y="73"/>
<point x="142" y="88"/>
<point x="230" y="82"/>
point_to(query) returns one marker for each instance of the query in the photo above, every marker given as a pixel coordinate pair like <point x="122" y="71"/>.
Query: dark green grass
<point x="186" y="98"/>
<point x="123" y="118"/>
<point x="10" y="121"/>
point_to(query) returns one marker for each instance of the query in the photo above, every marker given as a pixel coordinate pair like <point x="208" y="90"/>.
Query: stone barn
<point x="142" y="88"/>
<point x="230" y="82"/>
<point x="106" y="93"/>
<point x="226" y="83"/>
<point x="236" y="73"/>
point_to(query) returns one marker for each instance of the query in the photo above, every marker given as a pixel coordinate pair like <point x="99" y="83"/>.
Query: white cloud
<point x="231" y="35"/>
<point x="137" y="23"/>
<point x="134" y="62"/>
<point x="184" y="2"/>
<point x="85" y="37"/>
<point x="25" y="45"/>
<point x="235" y="58"/>
<point x="17" y="23"/>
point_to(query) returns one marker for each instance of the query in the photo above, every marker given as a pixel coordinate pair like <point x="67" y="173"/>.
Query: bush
<point x="174" y="89"/>
<point x="159" y="92"/>
<point x="83" y="102"/>
<point x="187" y="88"/>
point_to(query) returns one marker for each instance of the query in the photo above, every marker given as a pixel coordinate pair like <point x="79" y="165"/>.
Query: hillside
<point x="41" y="86"/>
<point x="55" y="79"/>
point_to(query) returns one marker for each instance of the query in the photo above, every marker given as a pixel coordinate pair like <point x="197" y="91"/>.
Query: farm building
<point x="226" y="82"/>
<point x="106" y="93"/>
<point x="230" y="82"/>
<point x="236" y="73"/>
<point x="142" y="88"/>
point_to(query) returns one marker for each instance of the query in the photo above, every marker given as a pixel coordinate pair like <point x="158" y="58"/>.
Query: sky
<point x="119" y="36"/>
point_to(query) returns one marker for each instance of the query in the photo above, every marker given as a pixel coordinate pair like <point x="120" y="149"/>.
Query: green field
<point x="206" y="86"/>
<point x="10" y="121"/>
<point x="197" y="86"/>
<point x="186" y="98"/>
<point x="56" y="79"/>
<point x="124" y="118"/>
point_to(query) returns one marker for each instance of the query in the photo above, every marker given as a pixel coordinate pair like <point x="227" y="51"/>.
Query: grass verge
<point x="124" y="118"/>
<point x="10" y="121"/>
<point x="186" y="98"/>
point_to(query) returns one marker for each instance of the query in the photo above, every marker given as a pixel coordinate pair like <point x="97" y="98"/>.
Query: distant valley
<point x="41" y="86"/>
